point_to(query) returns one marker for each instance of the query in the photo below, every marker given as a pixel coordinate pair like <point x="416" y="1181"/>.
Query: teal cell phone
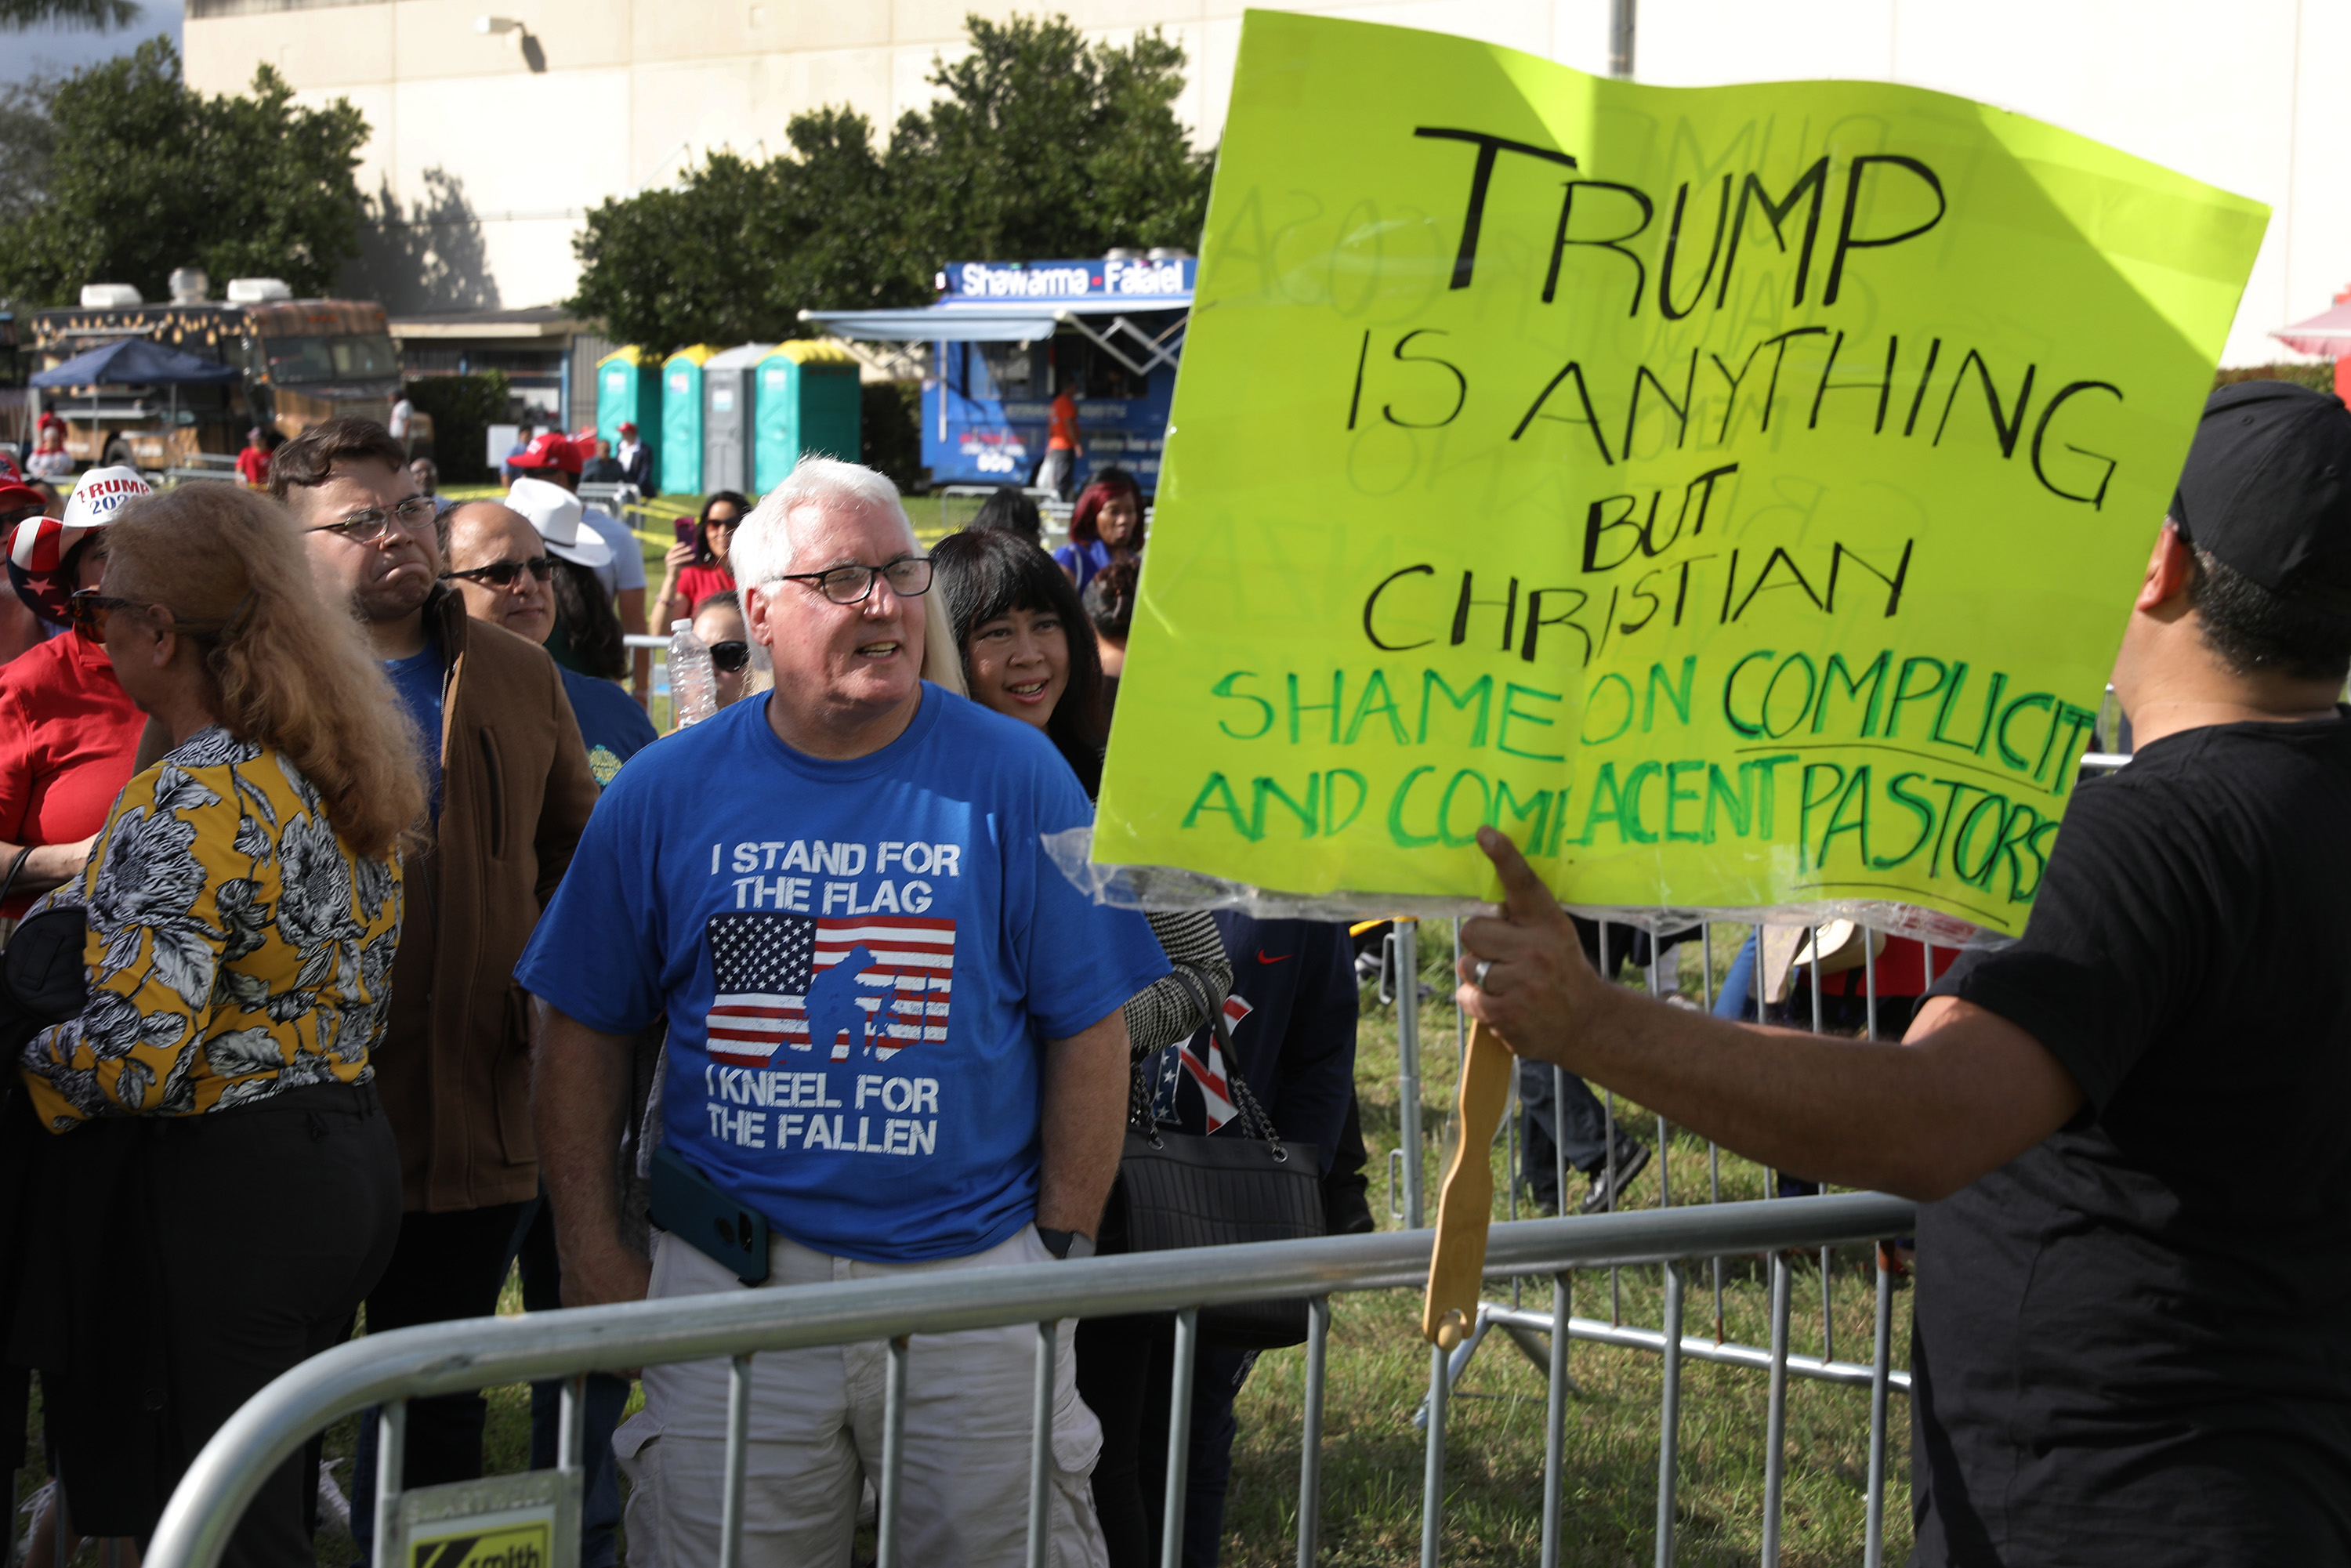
<point x="690" y="1207"/>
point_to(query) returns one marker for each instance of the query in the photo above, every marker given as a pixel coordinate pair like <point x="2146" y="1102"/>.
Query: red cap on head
<point x="626" y="428"/>
<point x="15" y="497"/>
<point x="550" y="450"/>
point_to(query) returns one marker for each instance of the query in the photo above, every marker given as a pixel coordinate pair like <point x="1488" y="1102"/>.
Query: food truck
<point x="298" y="361"/>
<point x="1006" y="336"/>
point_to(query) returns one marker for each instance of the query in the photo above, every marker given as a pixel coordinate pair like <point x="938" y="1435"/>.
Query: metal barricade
<point x="390" y="1369"/>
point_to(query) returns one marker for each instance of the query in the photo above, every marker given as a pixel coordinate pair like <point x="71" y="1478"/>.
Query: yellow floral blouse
<point x="236" y="947"/>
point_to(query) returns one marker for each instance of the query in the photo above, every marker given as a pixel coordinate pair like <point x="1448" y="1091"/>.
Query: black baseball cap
<point x="2267" y="490"/>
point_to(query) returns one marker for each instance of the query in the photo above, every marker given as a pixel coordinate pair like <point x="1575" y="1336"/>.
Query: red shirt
<point x="254" y="464"/>
<point x="68" y="735"/>
<point x="1901" y="971"/>
<point x="698" y="584"/>
<point x="1063" y="433"/>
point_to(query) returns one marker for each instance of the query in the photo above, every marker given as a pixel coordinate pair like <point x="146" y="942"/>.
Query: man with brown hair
<point x="510" y="791"/>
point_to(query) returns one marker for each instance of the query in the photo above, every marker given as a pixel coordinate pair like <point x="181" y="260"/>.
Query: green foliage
<point x="144" y="175"/>
<point x="462" y="408"/>
<point x="99" y="16"/>
<point x="27" y="142"/>
<point x="1044" y="147"/>
<point x="2317" y="378"/>
<point x="1041" y="146"/>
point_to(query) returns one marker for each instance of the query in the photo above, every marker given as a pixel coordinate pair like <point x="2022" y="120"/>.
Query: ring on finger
<point x="1477" y="975"/>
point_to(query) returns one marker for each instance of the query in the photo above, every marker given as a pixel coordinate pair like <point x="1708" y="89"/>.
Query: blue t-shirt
<point x="1083" y="559"/>
<point x="860" y="960"/>
<point x="418" y="680"/>
<point x="610" y="722"/>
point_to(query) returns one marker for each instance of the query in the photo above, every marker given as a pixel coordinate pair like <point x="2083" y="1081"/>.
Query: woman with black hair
<point x="588" y="642"/>
<point x="699" y="567"/>
<point x="1029" y="653"/>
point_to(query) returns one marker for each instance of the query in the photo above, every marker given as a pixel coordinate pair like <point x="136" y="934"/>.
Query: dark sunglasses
<point x="502" y="573"/>
<point x="87" y="610"/>
<point x="730" y="657"/>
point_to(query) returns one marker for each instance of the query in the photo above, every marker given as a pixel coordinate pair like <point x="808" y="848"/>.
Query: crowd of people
<point x="440" y="1007"/>
<point x="369" y="945"/>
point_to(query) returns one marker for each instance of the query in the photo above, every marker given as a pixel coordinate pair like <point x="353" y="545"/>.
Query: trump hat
<point x="550" y="449"/>
<point x="39" y="549"/>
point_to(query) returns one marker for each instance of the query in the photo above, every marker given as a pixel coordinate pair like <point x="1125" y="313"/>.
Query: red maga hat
<point x="550" y="450"/>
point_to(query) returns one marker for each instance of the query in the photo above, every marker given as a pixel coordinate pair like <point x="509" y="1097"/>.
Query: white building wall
<point x="493" y="164"/>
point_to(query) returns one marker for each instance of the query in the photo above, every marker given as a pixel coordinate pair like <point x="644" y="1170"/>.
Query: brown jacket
<point x="453" y="1068"/>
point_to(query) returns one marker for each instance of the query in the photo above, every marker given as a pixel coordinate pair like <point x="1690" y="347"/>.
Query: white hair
<point x="761" y="550"/>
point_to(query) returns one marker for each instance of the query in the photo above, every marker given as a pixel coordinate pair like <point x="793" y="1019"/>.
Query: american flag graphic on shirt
<point x="877" y="983"/>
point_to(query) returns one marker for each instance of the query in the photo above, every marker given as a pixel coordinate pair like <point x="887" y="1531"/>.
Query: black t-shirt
<point x="2134" y="1342"/>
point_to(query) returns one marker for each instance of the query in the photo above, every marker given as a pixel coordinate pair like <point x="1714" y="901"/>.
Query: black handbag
<point x="1178" y="1189"/>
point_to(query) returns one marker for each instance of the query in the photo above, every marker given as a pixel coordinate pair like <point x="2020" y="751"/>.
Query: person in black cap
<point x="2128" y="1346"/>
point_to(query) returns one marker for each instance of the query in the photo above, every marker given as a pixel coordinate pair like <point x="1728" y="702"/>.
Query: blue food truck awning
<point x="134" y="361"/>
<point x="986" y="321"/>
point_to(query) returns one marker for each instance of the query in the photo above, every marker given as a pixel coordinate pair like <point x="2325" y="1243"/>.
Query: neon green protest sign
<point x="1735" y="496"/>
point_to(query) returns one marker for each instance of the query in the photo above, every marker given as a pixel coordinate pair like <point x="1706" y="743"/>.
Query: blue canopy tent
<point x="135" y="362"/>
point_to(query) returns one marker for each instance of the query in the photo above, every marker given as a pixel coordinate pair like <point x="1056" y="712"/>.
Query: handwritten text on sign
<point x="1735" y="496"/>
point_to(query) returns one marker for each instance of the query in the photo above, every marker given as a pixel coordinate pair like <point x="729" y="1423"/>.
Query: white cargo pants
<point x="816" y="1435"/>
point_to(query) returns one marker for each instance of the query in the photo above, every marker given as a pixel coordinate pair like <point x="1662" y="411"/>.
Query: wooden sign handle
<point x="1456" y="1267"/>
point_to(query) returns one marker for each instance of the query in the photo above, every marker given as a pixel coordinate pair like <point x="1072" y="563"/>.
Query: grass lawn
<point x="1378" y="1374"/>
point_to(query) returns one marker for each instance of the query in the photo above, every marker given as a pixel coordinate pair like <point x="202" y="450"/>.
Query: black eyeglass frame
<point x="501" y="574"/>
<point x="832" y="573"/>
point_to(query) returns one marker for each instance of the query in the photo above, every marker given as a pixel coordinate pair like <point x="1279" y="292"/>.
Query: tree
<point x="99" y="15"/>
<point x="144" y="175"/>
<point x="1044" y="147"/>
<point x="1039" y="146"/>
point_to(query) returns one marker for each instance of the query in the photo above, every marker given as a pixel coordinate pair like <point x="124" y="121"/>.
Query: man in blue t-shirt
<point x="894" y="1031"/>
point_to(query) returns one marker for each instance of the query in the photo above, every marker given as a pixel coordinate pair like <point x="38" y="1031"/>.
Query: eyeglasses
<point x="502" y="573"/>
<point x="730" y="657"/>
<point x="722" y="522"/>
<point x="909" y="577"/>
<point x="87" y="609"/>
<point x="369" y="525"/>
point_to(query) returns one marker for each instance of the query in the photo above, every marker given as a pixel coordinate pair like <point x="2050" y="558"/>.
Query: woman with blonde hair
<point x="213" y="1101"/>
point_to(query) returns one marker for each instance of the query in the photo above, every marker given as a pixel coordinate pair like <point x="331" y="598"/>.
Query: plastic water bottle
<point x="692" y="683"/>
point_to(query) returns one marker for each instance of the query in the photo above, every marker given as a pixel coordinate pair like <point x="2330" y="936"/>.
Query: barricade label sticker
<point x="1736" y="496"/>
<point x="525" y="1543"/>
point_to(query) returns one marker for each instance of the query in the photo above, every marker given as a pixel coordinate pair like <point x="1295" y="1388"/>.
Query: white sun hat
<point x="554" y="512"/>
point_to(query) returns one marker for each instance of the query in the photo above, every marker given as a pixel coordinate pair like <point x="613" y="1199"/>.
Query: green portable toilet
<point x="681" y="429"/>
<point x="628" y="391"/>
<point x="809" y="407"/>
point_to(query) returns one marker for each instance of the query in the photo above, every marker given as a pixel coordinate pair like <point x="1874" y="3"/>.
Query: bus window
<point x="293" y="359"/>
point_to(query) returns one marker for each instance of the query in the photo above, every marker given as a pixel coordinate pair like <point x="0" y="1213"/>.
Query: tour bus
<point x="301" y="361"/>
<point x="1006" y="337"/>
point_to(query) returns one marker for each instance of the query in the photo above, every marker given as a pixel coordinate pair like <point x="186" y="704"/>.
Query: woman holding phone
<point x="699" y="567"/>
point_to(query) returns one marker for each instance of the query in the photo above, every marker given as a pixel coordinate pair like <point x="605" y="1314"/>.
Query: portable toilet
<point x="629" y="391"/>
<point x="729" y="390"/>
<point x="680" y="428"/>
<point x="809" y="407"/>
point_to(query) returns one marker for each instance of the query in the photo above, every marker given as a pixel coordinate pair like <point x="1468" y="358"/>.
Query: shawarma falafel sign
<point x="1733" y="494"/>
